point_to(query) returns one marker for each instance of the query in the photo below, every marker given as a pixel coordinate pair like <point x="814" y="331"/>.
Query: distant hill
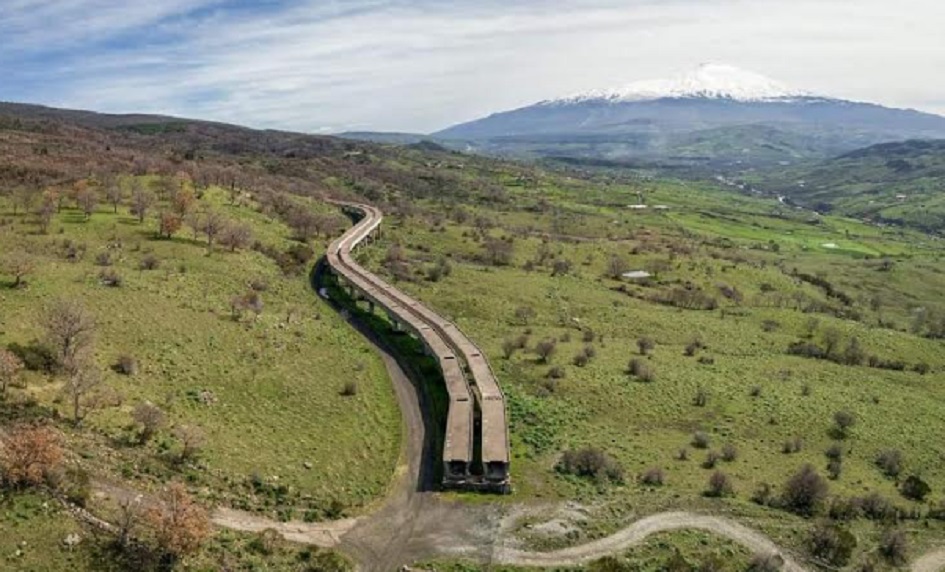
<point x="900" y="183"/>
<point x="716" y="115"/>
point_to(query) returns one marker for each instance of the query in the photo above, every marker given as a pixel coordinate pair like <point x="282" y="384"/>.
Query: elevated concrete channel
<point x="474" y="393"/>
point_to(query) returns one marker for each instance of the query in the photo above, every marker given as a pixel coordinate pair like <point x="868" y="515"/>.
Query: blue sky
<point x="421" y="65"/>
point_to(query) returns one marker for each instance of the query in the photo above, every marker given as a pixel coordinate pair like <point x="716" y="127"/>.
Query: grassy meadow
<point x="263" y="392"/>
<point x="762" y="265"/>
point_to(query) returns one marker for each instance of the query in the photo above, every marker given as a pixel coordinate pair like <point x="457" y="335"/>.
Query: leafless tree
<point x="10" y="366"/>
<point x="20" y="265"/>
<point x="191" y="439"/>
<point x="113" y="194"/>
<point x="236" y="235"/>
<point x="211" y="225"/>
<point x="87" y="200"/>
<point x="151" y="419"/>
<point x="83" y="377"/>
<point x="141" y="201"/>
<point x="69" y="332"/>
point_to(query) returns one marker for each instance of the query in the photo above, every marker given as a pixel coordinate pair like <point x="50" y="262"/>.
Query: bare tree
<point x="236" y="235"/>
<point x="87" y="199"/>
<point x="83" y="377"/>
<point x="141" y="201"/>
<point x="151" y="419"/>
<point x="498" y="252"/>
<point x="212" y="225"/>
<point x="69" y="332"/>
<point x="130" y="512"/>
<point x="24" y="198"/>
<point x="191" y="439"/>
<point x="20" y="265"/>
<point x="617" y="266"/>
<point x="46" y="210"/>
<point x="114" y="195"/>
<point x="10" y="367"/>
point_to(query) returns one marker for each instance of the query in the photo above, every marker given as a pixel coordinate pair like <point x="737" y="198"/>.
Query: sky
<point x="423" y="65"/>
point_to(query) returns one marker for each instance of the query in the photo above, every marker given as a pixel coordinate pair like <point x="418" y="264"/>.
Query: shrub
<point x="702" y="397"/>
<point x="834" y="452"/>
<point x="590" y="462"/>
<point x="682" y="454"/>
<point x="641" y="370"/>
<point x="770" y="325"/>
<point x="35" y="356"/>
<point x="654" y="477"/>
<point x="792" y="446"/>
<point x="545" y="349"/>
<point x="845" y="509"/>
<point x="832" y="544"/>
<point x="103" y="259"/>
<point x="588" y="336"/>
<point x="915" y="488"/>
<point x="126" y="365"/>
<point x="765" y="563"/>
<point x="700" y="440"/>
<point x="711" y="460"/>
<point x="755" y="391"/>
<point x="804" y="491"/>
<point x="645" y="345"/>
<point x="150" y="418"/>
<point x="556" y="372"/>
<point x="890" y="462"/>
<point x="509" y="347"/>
<point x="110" y="278"/>
<point x="720" y="485"/>
<point x="894" y="546"/>
<point x="580" y="359"/>
<point x="844" y="420"/>
<point x="763" y="495"/>
<point x="349" y="389"/>
<point x="180" y="525"/>
<point x="922" y="368"/>
<point x="150" y="262"/>
<point x="729" y="453"/>
<point x="877" y="507"/>
<point x="834" y="468"/>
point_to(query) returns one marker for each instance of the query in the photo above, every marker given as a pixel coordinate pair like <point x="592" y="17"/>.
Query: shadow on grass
<point x="421" y="370"/>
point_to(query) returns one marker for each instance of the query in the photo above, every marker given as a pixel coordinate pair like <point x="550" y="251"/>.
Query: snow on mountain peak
<point x="711" y="81"/>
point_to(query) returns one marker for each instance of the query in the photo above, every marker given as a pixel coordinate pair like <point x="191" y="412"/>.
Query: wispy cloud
<point x="424" y="64"/>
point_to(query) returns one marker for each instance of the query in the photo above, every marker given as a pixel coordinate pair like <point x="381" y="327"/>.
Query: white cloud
<point x="403" y="65"/>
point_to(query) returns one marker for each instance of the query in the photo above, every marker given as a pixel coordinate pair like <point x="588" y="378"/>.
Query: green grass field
<point x="275" y="416"/>
<point x="758" y="397"/>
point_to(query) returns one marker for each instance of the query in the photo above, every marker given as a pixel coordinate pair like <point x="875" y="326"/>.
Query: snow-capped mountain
<point x="715" y="113"/>
<point x="712" y="81"/>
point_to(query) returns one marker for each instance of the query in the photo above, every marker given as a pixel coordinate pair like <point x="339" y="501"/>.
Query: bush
<point x="103" y="259"/>
<point x="654" y="477"/>
<point x="711" y="460"/>
<point x="792" y="446"/>
<point x="581" y="359"/>
<point x="845" y="509"/>
<point x="834" y="468"/>
<point x="720" y="485"/>
<point x="805" y="491"/>
<point x="702" y="397"/>
<point x="763" y="495"/>
<point x="645" y="345"/>
<point x="770" y="325"/>
<point x="545" y="349"/>
<point x="890" y="462"/>
<point x="126" y="365"/>
<point x="729" y="453"/>
<point x="877" y="507"/>
<point x="894" y="546"/>
<point x="765" y="563"/>
<point x="915" y="488"/>
<point x="641" y="370"/>
<point x="150" y="262"/>
<point x="844" y="420"/>
<point x="590" y="462"/>
<point x="834" y="452"/>
<point x="556" y="372"/>
<point x="832" y="544"/>
<point x="111" y="278"/>
<point x="509" y="347"/>
<point x="350" y="389"/>
<point x="755" y="391"/>
<point x="700" y="440"/>
<point x="35" y="356"/>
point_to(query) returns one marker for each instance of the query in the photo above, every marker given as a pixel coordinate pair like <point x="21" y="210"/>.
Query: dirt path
<point x="930" y="562"/>
<point x="638" y="532"/>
